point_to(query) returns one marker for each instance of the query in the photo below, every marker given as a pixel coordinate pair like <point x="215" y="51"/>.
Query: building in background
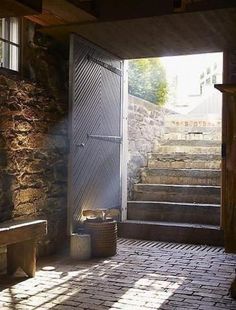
<point x="191" y="82"/>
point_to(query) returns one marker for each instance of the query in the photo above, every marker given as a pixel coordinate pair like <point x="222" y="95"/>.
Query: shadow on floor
<point x="149" y="275"/>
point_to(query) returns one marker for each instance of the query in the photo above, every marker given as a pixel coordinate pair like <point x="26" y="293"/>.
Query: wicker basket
<point x="103" y="237"/>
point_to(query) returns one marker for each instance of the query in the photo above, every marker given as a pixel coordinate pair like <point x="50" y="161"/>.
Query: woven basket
<point x="103" y="237"/>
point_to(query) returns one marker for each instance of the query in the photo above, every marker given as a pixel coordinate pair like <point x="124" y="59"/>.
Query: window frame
<point x="9" y="44"/>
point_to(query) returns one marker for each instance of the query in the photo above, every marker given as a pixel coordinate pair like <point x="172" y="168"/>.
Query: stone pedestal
<point x="80" y="246"/>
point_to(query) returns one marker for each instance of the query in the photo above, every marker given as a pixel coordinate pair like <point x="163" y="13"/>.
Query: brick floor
<point x="144" y="275"/>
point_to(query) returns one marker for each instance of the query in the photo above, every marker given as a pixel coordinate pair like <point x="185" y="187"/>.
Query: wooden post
<point x="228" y="167"/>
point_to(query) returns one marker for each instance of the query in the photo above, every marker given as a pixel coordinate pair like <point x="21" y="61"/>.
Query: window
<point x="9" y="43"/>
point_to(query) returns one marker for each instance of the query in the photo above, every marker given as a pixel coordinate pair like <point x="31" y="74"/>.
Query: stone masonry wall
<point x="145" y="128"/>
<point x="33" y="157"/>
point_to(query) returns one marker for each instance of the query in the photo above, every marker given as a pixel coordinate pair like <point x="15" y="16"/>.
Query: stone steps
<point x="169" y="128"/>
<point x="184" y="161"/>
<point x="174" y="212"/>
<point x="192" y="135"/>
<point x="178" y="199"/>
<point x="190" y="123"/>
<point x="177" y="193"/>
<point x="181" y="176"/>
<point x="171" y="232"/>
<point x="192" y="143"/>
<point x="189" y="149"/>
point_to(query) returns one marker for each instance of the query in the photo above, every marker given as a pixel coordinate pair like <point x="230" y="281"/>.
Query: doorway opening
<point x="174" y="158"/>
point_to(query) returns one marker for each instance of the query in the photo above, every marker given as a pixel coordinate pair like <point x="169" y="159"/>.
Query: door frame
<point x="124" y="144"/>
<point x="71" y="90"/>
<point x="228" y="177"/>
<point x="223" y="141"/>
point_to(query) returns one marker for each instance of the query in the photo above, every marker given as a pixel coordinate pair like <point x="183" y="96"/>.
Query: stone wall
<point x="34" y="138"/>
<point x="33" y="157"/>
<point x="145" y="128"/>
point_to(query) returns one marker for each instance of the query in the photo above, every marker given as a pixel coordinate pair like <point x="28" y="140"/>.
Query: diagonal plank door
<point x="96" y="129"/>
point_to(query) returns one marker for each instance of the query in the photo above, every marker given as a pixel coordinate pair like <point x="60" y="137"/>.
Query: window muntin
<point x="9" y="43"/>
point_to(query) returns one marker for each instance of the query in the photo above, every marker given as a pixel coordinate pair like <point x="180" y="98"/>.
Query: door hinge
<point x="105" y="65"/>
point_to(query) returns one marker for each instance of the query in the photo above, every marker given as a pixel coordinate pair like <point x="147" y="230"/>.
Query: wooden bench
<point x="21" y="238"/>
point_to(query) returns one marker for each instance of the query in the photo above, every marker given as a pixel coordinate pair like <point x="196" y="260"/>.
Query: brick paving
<point x="143" y="275"/>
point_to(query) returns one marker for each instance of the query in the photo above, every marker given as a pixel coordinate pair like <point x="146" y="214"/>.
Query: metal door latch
<point x="115" y="139"/>
<point x="81" y="145"/>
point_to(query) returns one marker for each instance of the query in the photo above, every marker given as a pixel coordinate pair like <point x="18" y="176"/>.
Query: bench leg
<point x="23" y="255"/>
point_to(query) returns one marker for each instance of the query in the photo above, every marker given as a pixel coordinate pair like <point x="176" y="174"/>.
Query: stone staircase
<point x="178" y="199"/>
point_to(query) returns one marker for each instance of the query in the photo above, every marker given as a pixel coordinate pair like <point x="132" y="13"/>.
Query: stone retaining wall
<point x="145" y="128"/>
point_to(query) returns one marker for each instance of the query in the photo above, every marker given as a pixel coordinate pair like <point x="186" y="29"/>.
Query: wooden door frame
<point x="228" y="174"/>
<point x="223" y="142"/>
<point x="70" y="131"/>
<point x="124" y="144"/>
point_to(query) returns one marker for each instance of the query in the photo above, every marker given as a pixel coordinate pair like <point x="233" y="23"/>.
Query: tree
<point x="147" y="80"/>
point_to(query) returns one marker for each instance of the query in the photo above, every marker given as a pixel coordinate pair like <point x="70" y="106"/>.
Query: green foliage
<point x="147" y="80"/>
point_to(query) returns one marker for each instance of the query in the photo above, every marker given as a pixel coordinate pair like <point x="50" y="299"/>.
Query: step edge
<point x="181" y="170"/>
<point x="173" y="224"/>
<point x="174" y="203"/>
<point x="177" y="185"/>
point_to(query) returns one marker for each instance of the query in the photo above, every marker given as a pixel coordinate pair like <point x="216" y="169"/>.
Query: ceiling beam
<point x="112" y="10"/>
<point x="129" y="9"/>
<point x="168" y="35"/>
<point x="60" y="12"/>
<point x="205" y="5"/>
<point x="11" y="8"/>
<point x="86" y="5"/>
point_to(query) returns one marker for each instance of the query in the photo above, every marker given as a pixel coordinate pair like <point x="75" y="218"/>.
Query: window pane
<point x="14" y="33"/>
<point x="1" y="44"/>
<point x="14" y="57"/>
<point x="1" y="27"/>
<point x="5" y="55"/>
<point x="1" y="54"/>
<point x="9" y="54"/>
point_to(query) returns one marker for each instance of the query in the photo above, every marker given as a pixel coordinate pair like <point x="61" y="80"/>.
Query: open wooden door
<point x="96" y="139"/>
<point x="228" y="218"/>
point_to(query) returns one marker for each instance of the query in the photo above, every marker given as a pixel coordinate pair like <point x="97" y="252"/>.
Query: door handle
<point x="80" y="145"/>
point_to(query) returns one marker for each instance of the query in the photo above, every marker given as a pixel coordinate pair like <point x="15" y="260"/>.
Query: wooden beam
<point x="229" y="154"/>
<point x="86" y="5"/>
<point x="169" y="35"/>
<point x="226" y="88"/>
<point x="117" y="10"/>
<point x="60" y="12"/>
<point x="111" y="10"/>
<point x="35" y="5"/>
<point x="204" y="5"/>
<point x="11" y="8"/>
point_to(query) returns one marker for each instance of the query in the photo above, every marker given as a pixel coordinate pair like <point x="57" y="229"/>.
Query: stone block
<point x="28" y="195"/>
